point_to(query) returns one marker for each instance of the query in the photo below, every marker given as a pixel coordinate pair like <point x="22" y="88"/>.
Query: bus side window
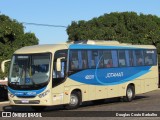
<point x="59" y="54"/>
<point x="114" y="58"/>
<point x="139" y="57"/>
<point x="150" y="57"/>
<point x="74" y="60"/>
<point x="107" y="59"/>
<point x="121" y="58"/>
<point x="84" y="61"/>
<point x="94" y="59"/>
<point x="89" y="53"/>
<point x="154" y="56"/>
<point x="131" y="62"/>
<point x="101" y="63"/>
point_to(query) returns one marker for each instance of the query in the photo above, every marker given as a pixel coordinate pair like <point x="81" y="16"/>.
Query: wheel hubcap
<point x="74" y="100"/>
<point x="129" y="93"/>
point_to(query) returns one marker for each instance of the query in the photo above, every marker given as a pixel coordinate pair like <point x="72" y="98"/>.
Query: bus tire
<point x="130" y="94"/>
<point x="75" y="100"/>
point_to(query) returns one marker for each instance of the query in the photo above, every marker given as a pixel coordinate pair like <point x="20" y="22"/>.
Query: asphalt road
<point x="143" y="103"/>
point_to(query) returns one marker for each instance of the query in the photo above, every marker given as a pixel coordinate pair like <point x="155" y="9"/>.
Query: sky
<point x="63" y="12"/>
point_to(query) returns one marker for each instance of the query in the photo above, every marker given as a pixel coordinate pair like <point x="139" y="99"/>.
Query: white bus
<point x="3" y="82"/>
<point x="71" y="73"/>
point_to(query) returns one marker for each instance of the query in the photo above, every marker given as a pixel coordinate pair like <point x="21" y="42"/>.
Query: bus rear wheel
<point x="130" y="94"/>
<point x="75" y="100"/>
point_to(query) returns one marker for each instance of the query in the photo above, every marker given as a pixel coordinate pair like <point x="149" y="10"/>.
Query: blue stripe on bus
<point x="110" y="76"/>
<point x="80" y="46"/>
<point x="20" y="93"/>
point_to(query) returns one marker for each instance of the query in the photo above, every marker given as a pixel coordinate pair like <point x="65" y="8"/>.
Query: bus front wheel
<point x="75" y="100"/>
<point x="130" y="94"/>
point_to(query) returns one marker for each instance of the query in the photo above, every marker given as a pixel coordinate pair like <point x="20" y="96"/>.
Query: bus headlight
<point x="43" y="94"/>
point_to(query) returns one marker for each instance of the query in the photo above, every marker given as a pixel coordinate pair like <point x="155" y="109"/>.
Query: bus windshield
<point x="28" y="70"/>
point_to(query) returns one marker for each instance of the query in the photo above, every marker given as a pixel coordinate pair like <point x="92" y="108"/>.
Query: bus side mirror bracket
<point x="3" y="64"/>
<point x="58" y="64"/>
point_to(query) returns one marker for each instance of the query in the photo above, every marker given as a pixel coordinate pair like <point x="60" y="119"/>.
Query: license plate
<point x="25" y="101"/>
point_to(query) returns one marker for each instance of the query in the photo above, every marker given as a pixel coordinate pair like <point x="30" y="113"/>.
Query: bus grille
<point x="29" y="102"/>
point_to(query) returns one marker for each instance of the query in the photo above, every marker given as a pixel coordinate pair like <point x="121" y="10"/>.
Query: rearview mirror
<point x="59" y="65"/>
<point x="3" y="65"/>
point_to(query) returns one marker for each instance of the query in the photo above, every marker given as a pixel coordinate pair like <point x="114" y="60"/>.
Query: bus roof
<point x="88" y="44"/>
<point x="106" y="44"/>
<point x="41" y="48"/>
<point x="120" y="46"/>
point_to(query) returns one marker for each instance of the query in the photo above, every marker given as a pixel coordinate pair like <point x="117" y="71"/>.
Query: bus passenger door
<point x="58" y="76"/>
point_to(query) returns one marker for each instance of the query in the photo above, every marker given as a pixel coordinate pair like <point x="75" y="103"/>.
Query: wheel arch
<point x="79" y="91"/>
<point x="132" y="86"/>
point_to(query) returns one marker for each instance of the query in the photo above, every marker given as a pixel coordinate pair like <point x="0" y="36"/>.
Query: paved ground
<point x="145" y="102"/>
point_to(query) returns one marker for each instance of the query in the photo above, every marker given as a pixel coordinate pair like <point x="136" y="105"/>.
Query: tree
<point x="13" y="37"/>
<point x="127" y="27"/>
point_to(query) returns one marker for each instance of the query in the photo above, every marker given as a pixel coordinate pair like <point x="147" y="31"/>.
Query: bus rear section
<point x="113" y="71"/>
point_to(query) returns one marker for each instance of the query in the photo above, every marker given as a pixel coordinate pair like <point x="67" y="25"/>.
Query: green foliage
<point x="12" y="37"/>
<point x="127" y="27"/>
